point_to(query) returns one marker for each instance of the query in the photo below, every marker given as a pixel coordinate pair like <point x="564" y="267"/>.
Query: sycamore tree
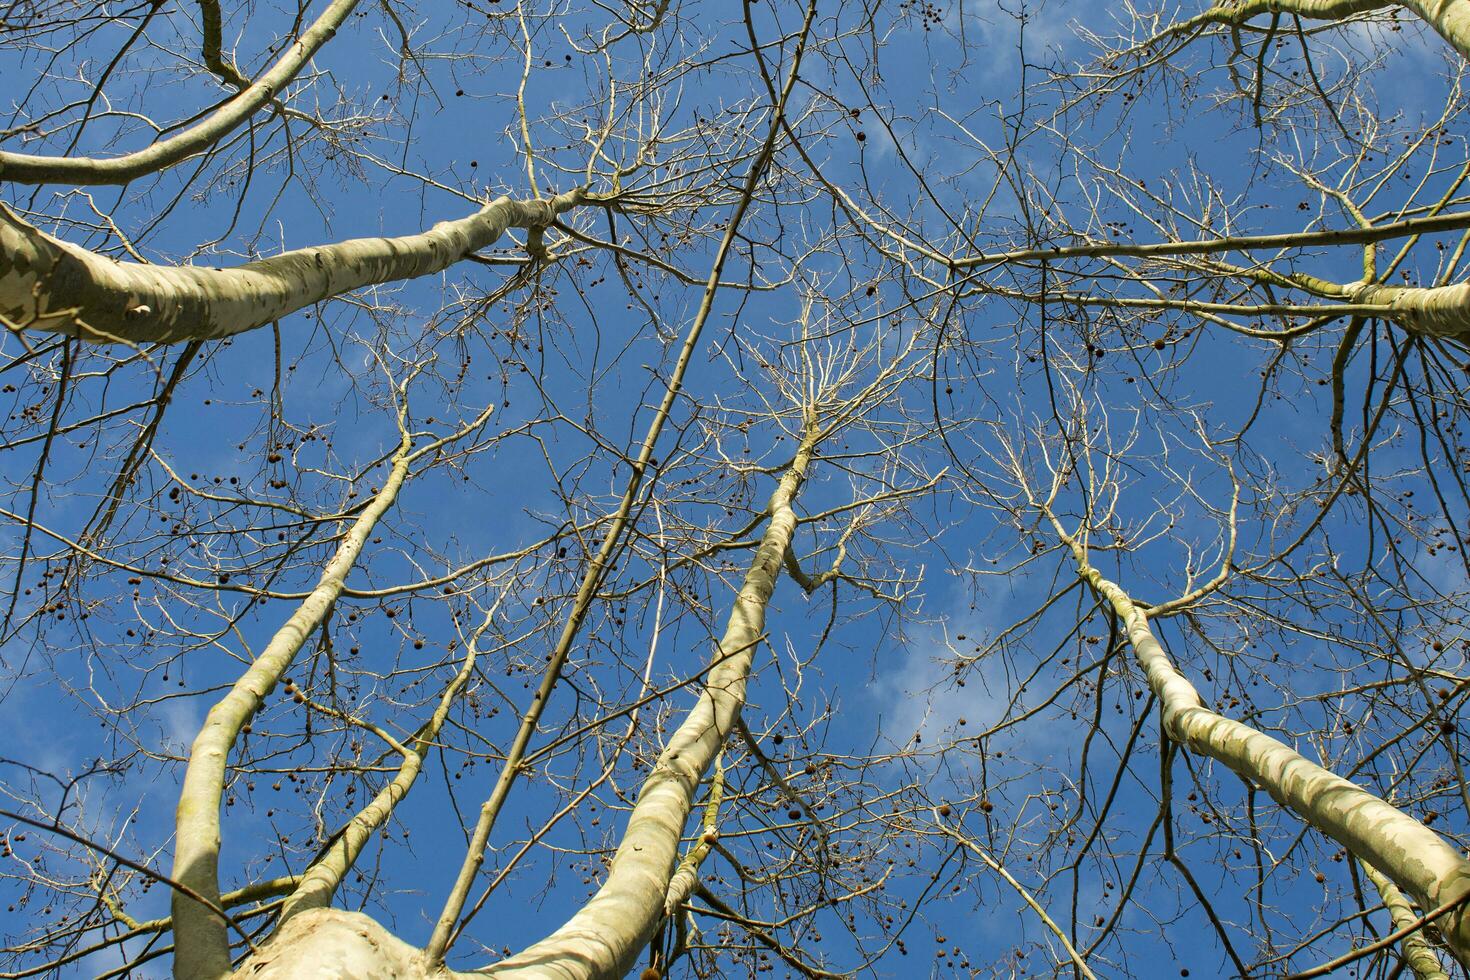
<point x="577" y="489"/>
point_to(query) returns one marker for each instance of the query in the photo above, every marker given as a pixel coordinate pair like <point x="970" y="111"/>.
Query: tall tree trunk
<point x="1418" y="954"/>
<point x="202" y="949"/>
<point x="1414" y="857"/>
<point x="602" y="940"/>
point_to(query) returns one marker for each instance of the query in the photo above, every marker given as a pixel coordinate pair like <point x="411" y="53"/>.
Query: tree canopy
<point x="542" y="488"/>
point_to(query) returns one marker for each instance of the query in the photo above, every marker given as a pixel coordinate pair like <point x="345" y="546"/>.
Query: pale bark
<point x="331" y="944"/>
<point x="320" y="882"/>
<point x="54" y="286"/>
<point x="202" y="945"/>
<point x="1450" y="18"/>
<point x="1418" y="954"/>
<point x="604" y="937"/>
<point x="602" y="940"/>
<point x="1431" y="311"/>
<point x="1417" y="859"/>
<point x="26" y="168"/>
<point x="686" y="877"/>
<point x="592" y="578"/>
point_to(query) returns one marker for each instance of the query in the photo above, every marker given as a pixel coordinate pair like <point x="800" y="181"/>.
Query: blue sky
<point x="595" y="340"/>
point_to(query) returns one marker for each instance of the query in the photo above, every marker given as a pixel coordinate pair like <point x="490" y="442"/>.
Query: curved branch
<point x="25" y="168"/>
<point x="1413" y="856"/>
<point x="54" y="286"/>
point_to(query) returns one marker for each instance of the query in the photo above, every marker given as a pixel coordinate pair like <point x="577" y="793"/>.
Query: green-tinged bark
<point x="1418" y="954"/>
<point x="54" y="286"/>
<point x="1432" y="311"/>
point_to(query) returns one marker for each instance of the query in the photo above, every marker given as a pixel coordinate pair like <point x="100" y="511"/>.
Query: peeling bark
<point x="54" y="286"/>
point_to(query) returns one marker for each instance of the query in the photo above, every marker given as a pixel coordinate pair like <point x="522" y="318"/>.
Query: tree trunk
<point x="202" y="942"/>
<point x="1416" y="858"/>
<point x="1433" y="311"/>
<point x="1418" y="954"/>
<point x="24" y="168"/>
<point x="603" y="939"/>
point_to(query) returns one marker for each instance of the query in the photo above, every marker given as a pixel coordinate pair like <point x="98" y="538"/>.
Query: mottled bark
<point x="1433" y="311"/>
<point x="1418" y="954"/>
<point x="51" y="285"/>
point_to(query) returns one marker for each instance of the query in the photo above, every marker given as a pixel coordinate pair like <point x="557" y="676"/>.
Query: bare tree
<point x="748" y="485"/>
